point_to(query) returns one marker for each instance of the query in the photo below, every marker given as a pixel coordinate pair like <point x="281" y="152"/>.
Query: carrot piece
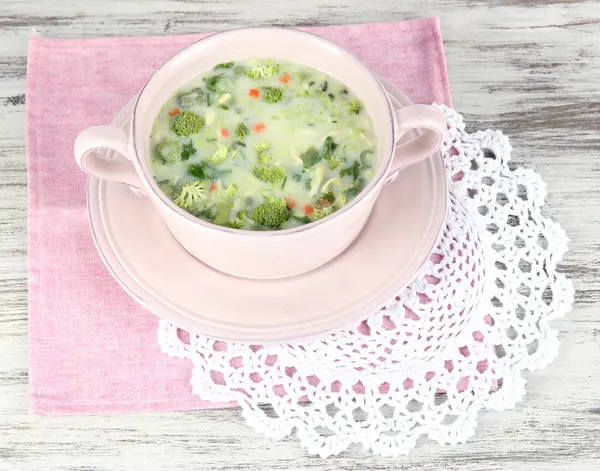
<point x="174" y="112"/>
<point x="224" y="132"/>
<point x="213" y="186"/>
<point x="254" y="93"/>
<point x="259" y="127"/>
<point x="308" y="210"/>
<point x="285" y="78"/>
<point x="290" y="203"/>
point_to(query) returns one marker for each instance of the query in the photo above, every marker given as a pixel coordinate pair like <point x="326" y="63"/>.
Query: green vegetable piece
<point x="240" y="219"/>
<point x="224" y="107"/>
<point x="334" y="162"/>
<point x="329" y="145"/>
<point x="272" y="94"/>
<point x="198" y="172"/>
<point x="265" y="158"/>
<point x="310" y="157"/>
<point x="354" y="171"/>
<point x="323" y="212"/>
<point x="187" y="151"/>
<point x="263" y="146"/>
<point x="219" y="84"/>
<point x="364" y="155"/>
<point x="283" y="184"/>
<point x="229" y="191"/>
<point x="187" y="123"/>
<point x="328" y="197"/>
<point x="355" y="107"/>
<point x="269" y="174"/>
<point x="235" y="153"/>
<point x="324" y="86"/>
<point x="191" y="194"/>
<point x="297" y="177"/>
<point x="166" y="188"/>
<point x="168" y="150"/>
<point x="238" y="70"/>
<point x="264" y="70"/>
<point x="272" y="213"/>
<point x="211" y="82"/>
<point x="219" y="155"/>
<point x="241" y="130"/>
<point x="195" y="96"/>
<point x="340" y="201"/>
<point x="308" y="184"/>
<point x="203" y="171"/>
<point x="225" y="65"/>
<point x="356" y="187"/>
<point x="223" y="212"/>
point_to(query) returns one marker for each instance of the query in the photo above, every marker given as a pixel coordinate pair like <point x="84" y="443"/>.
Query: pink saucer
<point x="154" y="269"/>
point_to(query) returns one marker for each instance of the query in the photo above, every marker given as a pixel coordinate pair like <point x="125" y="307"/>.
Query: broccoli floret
<point x="219" y="155"/>
<point x="240" y="219"/>
<point x="334" y="162"/>
<point x="241" y="130"/>
<point x="269" y="174"/>
<point x="191" y="194"/>
<point x="168" y="150"/>
<point x="264" y="158"/>
<point x="187" y="123"/>
<point x="228" y="192"/>
<point x="196" y="96"/>
<point x="272" y="94"/>
<point x="262" y="147"/>
<point x="272" y="213"/>
<point x="356" y="187"/>
<point x="355" y="107"/>
<point x="266" y="69"/>
<point x="321" y="213"/>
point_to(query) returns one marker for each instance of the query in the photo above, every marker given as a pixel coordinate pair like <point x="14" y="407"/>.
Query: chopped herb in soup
<point x="263" y="145"/>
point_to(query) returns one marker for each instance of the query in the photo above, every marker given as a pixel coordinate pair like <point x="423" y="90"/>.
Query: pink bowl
<point x="272" y="254"/>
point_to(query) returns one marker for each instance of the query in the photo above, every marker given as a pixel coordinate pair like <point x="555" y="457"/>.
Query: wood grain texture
<point x="530" y="68"/>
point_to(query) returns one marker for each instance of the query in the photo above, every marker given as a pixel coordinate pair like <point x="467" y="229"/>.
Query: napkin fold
<point x="92" y="348"/>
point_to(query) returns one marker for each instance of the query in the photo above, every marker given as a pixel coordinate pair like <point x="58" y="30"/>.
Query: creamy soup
<point x="262" y="145"/>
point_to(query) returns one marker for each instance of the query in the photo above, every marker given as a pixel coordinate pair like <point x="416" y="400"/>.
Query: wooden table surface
<point x="530" y="68"/>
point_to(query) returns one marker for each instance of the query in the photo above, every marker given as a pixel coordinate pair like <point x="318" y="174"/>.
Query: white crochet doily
<point x="452" y="343"/>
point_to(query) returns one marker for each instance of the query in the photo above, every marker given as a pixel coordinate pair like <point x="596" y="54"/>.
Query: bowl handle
<point x="434" y="130"/>
<point x="91" y="140"/>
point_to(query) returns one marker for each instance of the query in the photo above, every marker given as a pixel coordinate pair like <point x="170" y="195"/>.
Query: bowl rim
<point x="377" y="180"/>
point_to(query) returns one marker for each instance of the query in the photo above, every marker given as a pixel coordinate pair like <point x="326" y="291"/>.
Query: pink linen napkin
<point x="92" y="348"/>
